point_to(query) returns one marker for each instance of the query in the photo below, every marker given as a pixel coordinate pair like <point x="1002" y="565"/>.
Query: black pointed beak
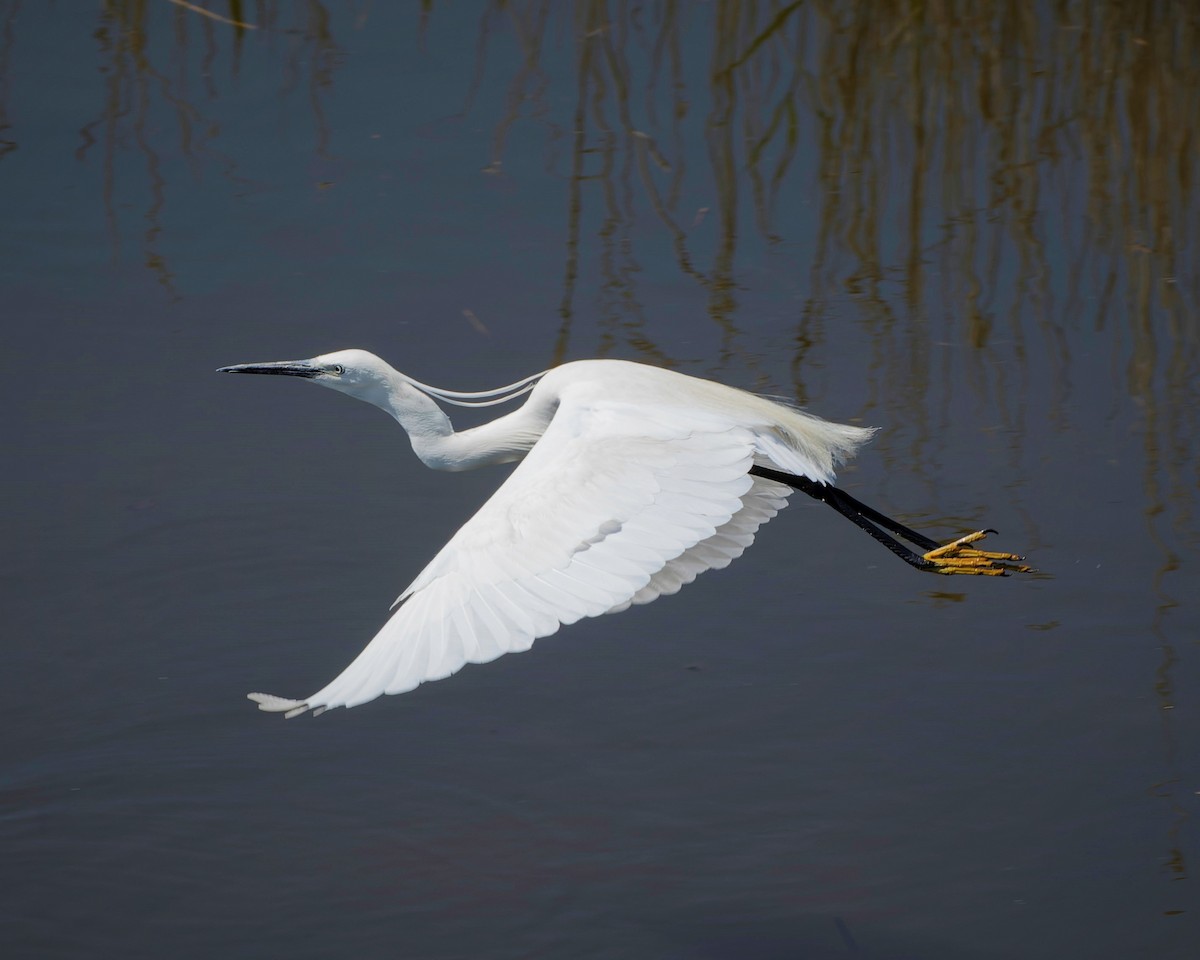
<point x="283" y="368"/>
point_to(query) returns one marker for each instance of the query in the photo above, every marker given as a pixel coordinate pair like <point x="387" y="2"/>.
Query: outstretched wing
<point x="610" y="507"/>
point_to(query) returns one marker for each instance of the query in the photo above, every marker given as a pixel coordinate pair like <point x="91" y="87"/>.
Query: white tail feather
<point x="274" y="704"/>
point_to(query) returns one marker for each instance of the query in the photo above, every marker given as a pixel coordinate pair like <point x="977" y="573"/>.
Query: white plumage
<point x="634" y="481"/>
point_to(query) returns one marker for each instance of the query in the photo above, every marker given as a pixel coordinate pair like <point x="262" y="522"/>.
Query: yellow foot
<point x="959" y="557"/>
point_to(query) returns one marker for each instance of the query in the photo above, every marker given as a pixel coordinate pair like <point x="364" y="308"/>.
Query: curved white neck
<point x="440" y="447"/>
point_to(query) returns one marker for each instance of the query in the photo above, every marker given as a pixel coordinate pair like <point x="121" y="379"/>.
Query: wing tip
<point x="289" y="708"/>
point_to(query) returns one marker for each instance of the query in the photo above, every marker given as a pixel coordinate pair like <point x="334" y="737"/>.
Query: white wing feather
<point x="603" y="503"/>
<point x="765" y="499"/>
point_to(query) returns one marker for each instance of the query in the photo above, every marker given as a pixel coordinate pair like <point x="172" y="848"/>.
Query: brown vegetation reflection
<point x="982" y="173"/>
<point x="179" y="78"/>
<point x="7" y="28"/>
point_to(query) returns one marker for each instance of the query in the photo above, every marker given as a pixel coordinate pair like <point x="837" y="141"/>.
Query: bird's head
<point x="355" y="372"/>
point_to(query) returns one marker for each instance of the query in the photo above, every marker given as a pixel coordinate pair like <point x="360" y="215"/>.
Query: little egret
<point x="633" y="481"/>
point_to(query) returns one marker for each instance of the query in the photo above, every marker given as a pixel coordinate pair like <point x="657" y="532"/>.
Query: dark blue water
<point x="976" y="231"/>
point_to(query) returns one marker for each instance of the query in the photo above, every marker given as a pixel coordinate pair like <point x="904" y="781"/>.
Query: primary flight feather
<point x="634" y="480"/>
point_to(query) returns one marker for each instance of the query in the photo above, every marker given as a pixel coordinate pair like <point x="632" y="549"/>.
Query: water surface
<point x="977" y="232"/>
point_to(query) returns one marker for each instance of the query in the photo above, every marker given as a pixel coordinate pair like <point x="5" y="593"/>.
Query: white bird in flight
<point x="633" y="480"/>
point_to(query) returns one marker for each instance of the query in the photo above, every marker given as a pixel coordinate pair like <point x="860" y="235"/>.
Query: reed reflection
<point x="7" y="34"/>
<point x="164" y="69"/>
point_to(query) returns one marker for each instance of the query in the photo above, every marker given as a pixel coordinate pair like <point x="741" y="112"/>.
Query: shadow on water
<point x="984" y="211"/>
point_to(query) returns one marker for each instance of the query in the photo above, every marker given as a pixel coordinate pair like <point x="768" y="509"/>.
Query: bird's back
<point x="788" y="437"/>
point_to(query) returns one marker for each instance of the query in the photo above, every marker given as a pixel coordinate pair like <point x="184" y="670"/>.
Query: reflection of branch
<point x="722" y="153"/>
<point x="322" y="75"/>
<point x="642" y="146"/>
<point x="603" y="75"/>
<point x="215" y="16"/>
<point x="529" y="37"/>
<point x="480" y="63"/>
<point x="617" y="264"/>
<point x="114" y="110"/>
<point x="6" y="145"/>
<point x="769" y="31"/>
<point x="660" y="210"/>
<point x="574" y="210"/>
<point x="921" y="124"/>
<point x="135" y="91"/>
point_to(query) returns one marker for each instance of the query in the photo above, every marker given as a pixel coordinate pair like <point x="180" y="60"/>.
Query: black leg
<point x="857" y="513"/>
<point x="863" y="523"/>
<point x="844" y="504"/>
<point x="956" y="557"/>
<point x="912" y="536"/>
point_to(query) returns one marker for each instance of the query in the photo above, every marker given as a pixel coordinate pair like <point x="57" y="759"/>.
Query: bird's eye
<point x="337" y="369"/>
